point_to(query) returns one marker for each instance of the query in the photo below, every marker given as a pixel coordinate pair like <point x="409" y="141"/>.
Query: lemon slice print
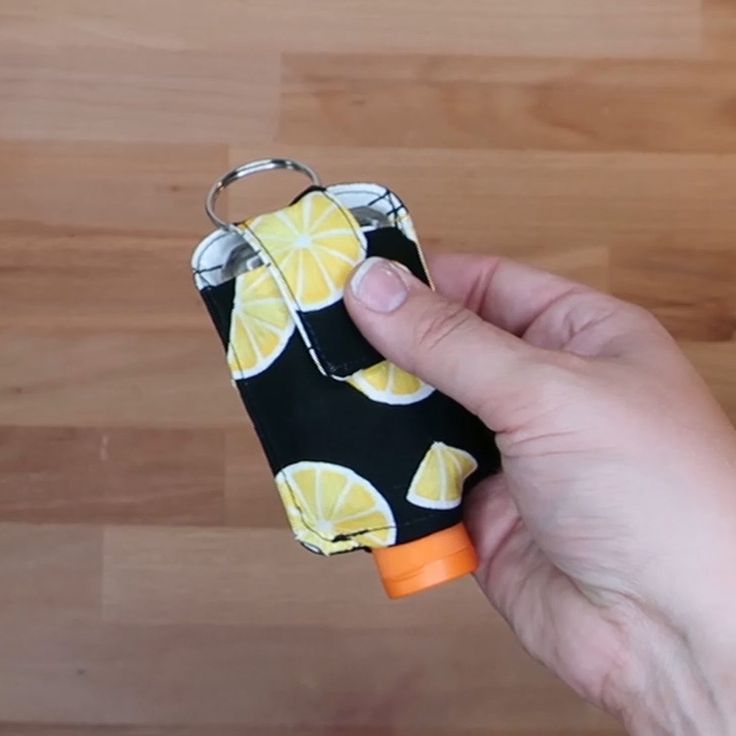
<point x="315" y="244"/>
<point x="261" y="324"/>
<point x="389" y="384"/>
<point x="438" y="482"/>
<point x="332" y="509"/>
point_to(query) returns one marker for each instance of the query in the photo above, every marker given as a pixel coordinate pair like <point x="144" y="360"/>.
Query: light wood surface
<point x="148" y="585"/>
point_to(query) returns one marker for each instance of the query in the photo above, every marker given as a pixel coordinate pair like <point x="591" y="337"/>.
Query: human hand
<point x="609" y="539"/>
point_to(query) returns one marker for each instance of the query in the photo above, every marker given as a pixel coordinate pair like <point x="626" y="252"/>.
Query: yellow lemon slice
<point x="438" y="482"/>
<point x="389" y="384"/>
<point x="261" y="324"/>
<point x="332" y="509"/>
<point x="315" y="244"/>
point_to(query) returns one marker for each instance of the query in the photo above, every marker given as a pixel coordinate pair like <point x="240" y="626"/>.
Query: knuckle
<point x="562" y="366"/>
<point x="553" y="381"/>
<point x="622" y="310"/>
<point x="641" y="322"/>
<point x="594" y="308"/>
<point x="438" y="325"/>
<point x="643" y="317"/>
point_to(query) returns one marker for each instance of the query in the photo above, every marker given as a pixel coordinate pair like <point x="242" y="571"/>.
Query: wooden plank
<point x="248" y="576"/>
<point x="719" y="29"/>
<point x="62" y="665"/>
<point x="691" y="289"/>
<point x="73" y="475"/>
<point x="137" y="94"/>
<point x="251" y="498"/>
<point x="94" y="279"/>
<point x="252" y="581"/>
<point x="108" y="188"/>
<point x="149" y="585"/>
<point x="371" y="100"/>
<point x="49" y="575"/>
<point x="243" y="730"/>
<point x="579" y="28"/>
<point x="540" y="203"/>
<point x="279" y="678"/>
<point x="298" y="730"/>
<point x="115" y="379"/>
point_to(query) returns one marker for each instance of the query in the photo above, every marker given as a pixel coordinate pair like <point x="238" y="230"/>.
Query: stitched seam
<point x="200" y="271"/>
<point x="351" y="365"/>
<point x="252" y="405"/>
<point x="349" y="220"/>
<point x="367" y="530"/>
<point x="393" y="199"/>
<point x="339" y="537"/>
<point x="307" y="332"/>
<point x="286" y="294"/>
<point x="320" y="352"/>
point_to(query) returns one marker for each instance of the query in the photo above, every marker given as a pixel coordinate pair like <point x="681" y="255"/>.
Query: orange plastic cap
<point x="415" y="566"/>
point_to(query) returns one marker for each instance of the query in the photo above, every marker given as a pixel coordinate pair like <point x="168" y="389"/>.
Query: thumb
<point x="482" y="367"/>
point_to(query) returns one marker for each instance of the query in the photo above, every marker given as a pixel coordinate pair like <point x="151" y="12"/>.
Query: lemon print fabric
<point x="314" y="244"/>
<point x="364" y="454"/>
<point x="438" y="482"/>
<point x="260" y="326"/>
<point x="332" y="509"/>
<point x="389" y="384"/>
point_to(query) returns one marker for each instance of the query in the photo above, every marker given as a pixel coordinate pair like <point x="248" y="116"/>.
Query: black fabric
<point x="219" y="302"/>
<point x="338" y="345"/>
<point x="301" y="414"/>
<point x="391" y="243"/>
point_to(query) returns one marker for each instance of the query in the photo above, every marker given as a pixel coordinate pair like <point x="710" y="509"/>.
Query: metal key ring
<point x="253" y="167"/>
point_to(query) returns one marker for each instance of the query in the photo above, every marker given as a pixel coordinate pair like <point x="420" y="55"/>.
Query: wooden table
<point x="148" y="585"/>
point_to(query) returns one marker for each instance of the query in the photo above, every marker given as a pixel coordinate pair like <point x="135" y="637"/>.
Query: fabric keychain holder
<point x="365" y="455"/>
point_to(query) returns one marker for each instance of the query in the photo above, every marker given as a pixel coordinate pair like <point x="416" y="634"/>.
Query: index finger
<point x="506" y="293"/>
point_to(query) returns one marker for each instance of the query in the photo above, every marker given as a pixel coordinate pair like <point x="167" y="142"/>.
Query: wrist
<point x="668" y="687"/>
<point x="714" y="652"/>
<point x="682" y="673"/>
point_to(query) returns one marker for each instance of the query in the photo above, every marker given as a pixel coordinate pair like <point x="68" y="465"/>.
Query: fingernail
<point x="379" y="286"/>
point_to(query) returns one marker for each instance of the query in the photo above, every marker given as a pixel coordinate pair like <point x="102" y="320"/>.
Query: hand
<point x="609" y="539"/>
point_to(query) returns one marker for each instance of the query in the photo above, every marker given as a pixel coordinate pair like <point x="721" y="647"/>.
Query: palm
<point x="546" y="609"/>
<point x="539" y="555"/>
<point x="616" y="477"/>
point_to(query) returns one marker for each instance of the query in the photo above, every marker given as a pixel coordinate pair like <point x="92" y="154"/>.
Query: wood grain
<point x="368" y="100"/>
<point x="148" y="585"/>
<point x="74" y="268"/>
<point x="719" y="26"/>
<point x="133" y="94"/>
<point x="578" y="28"/>
<point x="145" y="189"/>
<point x="118" y="475"/>
<point x="98" y="378"/>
